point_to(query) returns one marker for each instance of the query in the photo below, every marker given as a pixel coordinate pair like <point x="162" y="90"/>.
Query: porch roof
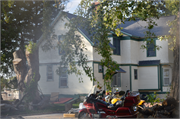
<point x="149" y="62"/>
<point x="120" y="70"/>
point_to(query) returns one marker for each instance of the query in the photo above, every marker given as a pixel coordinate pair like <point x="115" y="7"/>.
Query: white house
<point x="147" y="70"/>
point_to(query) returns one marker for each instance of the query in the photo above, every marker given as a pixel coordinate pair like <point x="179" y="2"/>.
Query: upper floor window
<point x="60" y="39"/>
<point x="63" y="78"/>
<point x="116" y="44"/>
<point x="49" y="73"/>
<point x="151" y="51"/>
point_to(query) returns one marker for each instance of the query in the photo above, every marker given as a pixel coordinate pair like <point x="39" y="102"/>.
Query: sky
<point x="72" y="5"/>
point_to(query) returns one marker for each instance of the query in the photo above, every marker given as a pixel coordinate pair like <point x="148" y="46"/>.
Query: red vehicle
<point x="97" y="108"/>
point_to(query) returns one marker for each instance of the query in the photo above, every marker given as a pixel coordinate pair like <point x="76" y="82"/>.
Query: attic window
<point x="100" y="68"/>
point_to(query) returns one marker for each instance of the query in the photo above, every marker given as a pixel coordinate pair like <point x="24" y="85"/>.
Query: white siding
<point x="74" y="87"/>
<point x="98" y="76"/>
<point x="126" y="51"/>
<point x="161" y="54"/>
<point x="148" y="77"/>
<point x="125" y="79"/>
<point x="52" y="56"/>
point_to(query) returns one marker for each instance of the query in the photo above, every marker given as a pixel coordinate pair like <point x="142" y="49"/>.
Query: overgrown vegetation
<point x="152" y="98"/>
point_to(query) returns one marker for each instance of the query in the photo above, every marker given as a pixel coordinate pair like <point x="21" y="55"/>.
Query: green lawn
<point x="76" y="105"/>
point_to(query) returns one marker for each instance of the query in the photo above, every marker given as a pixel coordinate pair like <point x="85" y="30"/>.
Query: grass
<point x="76" y="105"/>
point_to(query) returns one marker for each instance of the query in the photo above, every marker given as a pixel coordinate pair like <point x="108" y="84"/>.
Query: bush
<point x="152" y="98"/>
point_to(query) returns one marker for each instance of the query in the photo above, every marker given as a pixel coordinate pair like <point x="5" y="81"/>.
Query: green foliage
<point x="3" y="83"/>
<point x="47" y="29"/>
<point x="31" y="47"/>
<point x="21" y="22"/>
<point x="10" y="83"/>
<point x="152" y="98"/>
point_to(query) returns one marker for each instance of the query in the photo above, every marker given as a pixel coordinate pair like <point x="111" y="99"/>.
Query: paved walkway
<point x="45" y="116"/>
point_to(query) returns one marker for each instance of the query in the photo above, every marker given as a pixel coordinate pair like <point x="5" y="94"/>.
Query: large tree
<point x="23" y="23"/>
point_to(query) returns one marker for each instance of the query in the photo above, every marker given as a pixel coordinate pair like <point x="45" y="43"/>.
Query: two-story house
<point x="144" y="69"/>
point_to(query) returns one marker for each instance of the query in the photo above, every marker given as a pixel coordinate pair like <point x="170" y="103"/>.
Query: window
<point x="166" y="77"/>
<point x="49" y="73"/>
<point x="63" y="78"/>
<point x="116" y="82"/>
<point x="116" y="44"/>
<point x="60" y="38"/>
<point x="135" y="74"/>
<point x="151" y="51"/>
<point x="100" y="68"/>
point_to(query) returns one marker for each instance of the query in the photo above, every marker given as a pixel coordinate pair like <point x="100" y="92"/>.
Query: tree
<point x="173" y="9"/>
<point x="26" y="18"/>
<point x="21" y="22"/>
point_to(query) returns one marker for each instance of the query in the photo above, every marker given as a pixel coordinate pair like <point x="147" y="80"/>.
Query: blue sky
<point x="72" y="5"/>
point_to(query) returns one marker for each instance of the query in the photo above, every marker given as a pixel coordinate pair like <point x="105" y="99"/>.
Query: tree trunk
<point x="33" y="72"/>
<point x="28" y="81"/>
<point x="175" y="75"/>
<point x="19" y="64"/>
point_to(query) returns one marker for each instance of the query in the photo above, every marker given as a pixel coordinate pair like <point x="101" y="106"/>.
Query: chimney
<point x="95" y="4"/>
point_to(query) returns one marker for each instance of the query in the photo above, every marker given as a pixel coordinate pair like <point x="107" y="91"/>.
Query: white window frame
<point x="166" y="75"/>
<point x="48" y="73"/>
<point x="100" y="68"/>
<point x="63" y="77"/>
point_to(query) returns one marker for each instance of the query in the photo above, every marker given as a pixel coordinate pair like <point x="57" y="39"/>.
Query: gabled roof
<point x="84" y="32"/>
<point x="137" y="28"/>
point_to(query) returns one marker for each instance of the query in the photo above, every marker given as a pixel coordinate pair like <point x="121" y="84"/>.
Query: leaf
<point x="148" y="6"/>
